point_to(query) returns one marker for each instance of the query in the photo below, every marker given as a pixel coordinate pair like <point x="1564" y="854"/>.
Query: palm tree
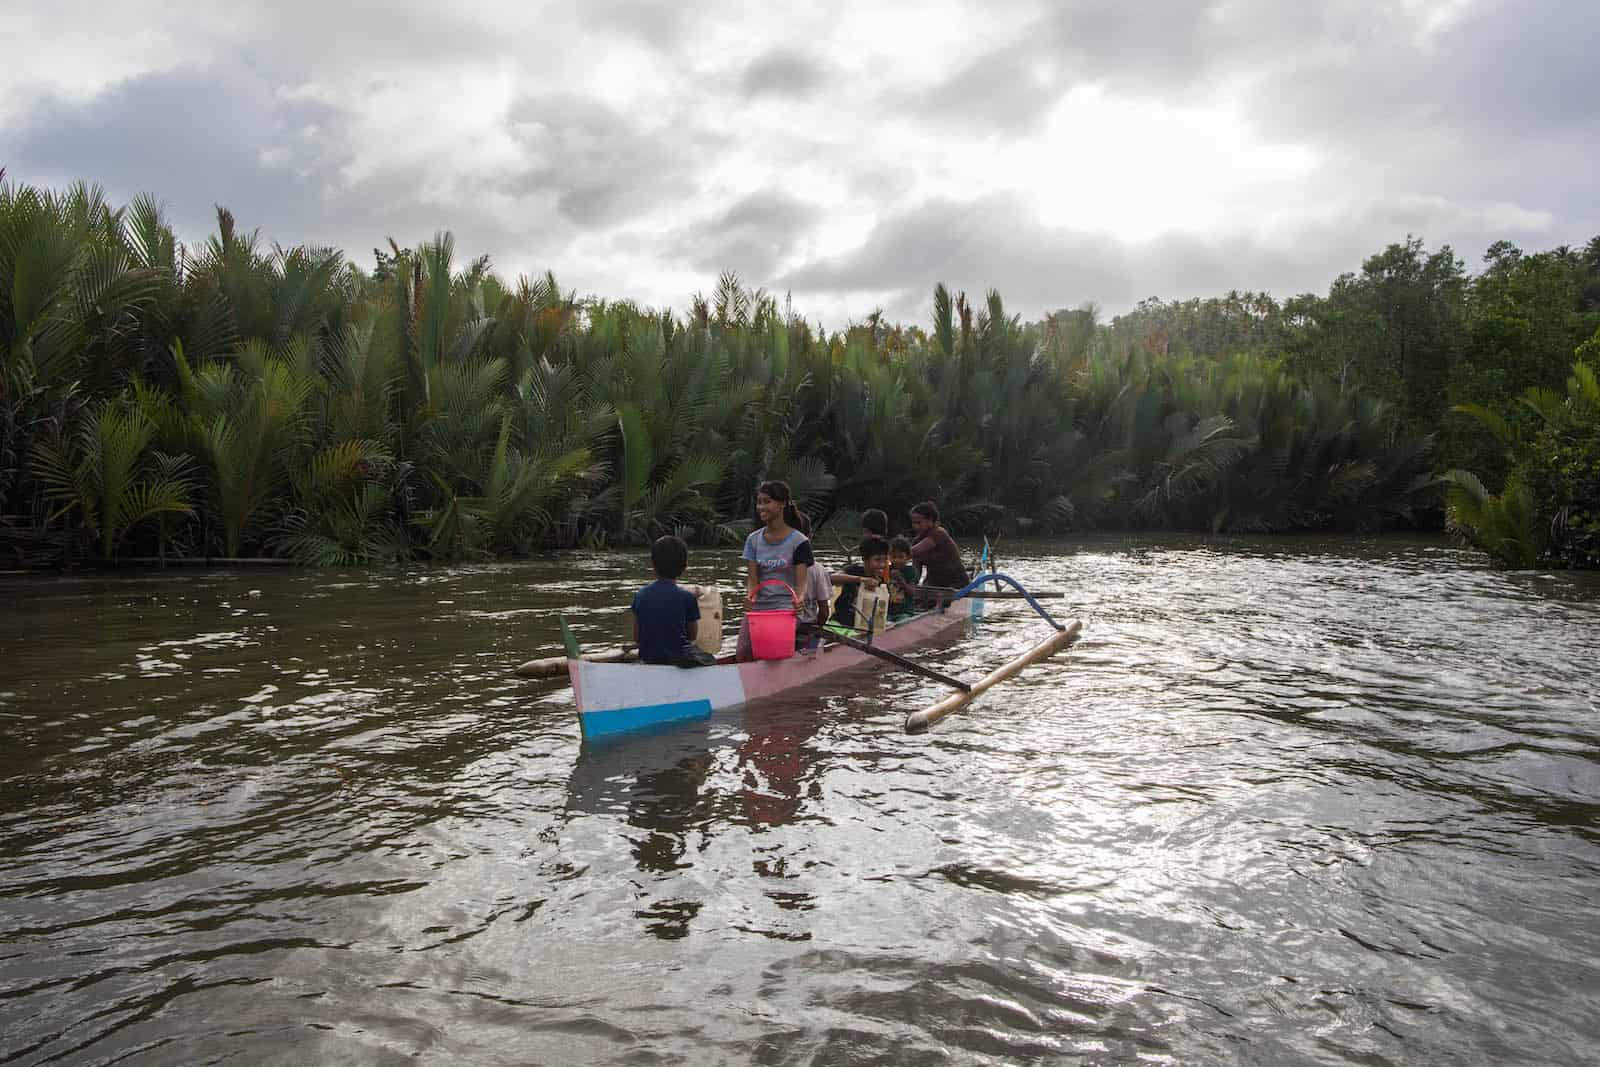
<point x="1546" y="512"/>
<point x="106" y="472"/>
<point x="249" y="425"/>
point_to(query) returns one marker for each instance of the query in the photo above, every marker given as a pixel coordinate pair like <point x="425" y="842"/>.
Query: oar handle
<point x="900" y="661"/>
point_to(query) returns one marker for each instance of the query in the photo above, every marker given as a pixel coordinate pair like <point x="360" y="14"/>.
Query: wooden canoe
<point x="616" y="697"/>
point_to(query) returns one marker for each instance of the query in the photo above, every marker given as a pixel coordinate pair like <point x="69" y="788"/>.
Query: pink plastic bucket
<point x="772" y="632"/>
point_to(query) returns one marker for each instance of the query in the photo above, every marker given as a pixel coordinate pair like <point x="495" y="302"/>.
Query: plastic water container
<point x="872" y="609"/>
<point x="709" y="635"/>
<point x="772" y="632"/>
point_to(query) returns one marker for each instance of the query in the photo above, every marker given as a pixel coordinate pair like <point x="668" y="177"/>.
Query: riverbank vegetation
<point x="1549" y="511"/>
<point x="244" y="399"/>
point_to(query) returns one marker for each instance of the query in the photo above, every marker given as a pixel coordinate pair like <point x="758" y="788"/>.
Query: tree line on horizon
<point x="239" y="399"/>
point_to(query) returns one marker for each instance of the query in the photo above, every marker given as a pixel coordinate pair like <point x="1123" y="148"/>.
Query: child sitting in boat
<point x="666" y="616"/>
<point x="874" y="527"/>
<point x="874" y="552"/>
<point x="902" y="580"/>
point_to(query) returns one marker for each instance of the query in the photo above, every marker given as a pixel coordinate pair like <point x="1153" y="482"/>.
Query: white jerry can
<point x="709" y="636"/>
<point x="872" y="609"/>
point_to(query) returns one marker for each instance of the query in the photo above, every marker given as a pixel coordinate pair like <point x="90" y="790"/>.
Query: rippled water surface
<point x="1287" y="801"/>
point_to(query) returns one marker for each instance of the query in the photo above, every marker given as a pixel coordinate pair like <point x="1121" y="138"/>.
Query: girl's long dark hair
<point x="779" y="491"/>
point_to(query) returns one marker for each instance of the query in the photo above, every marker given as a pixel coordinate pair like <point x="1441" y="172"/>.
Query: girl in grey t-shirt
<point x="775" y="551"/>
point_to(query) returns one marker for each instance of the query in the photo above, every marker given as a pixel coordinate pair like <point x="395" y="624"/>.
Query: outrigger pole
<point x="949" y="592"/>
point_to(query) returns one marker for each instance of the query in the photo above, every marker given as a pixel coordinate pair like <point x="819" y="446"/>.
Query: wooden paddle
<point x="898" y="660"/>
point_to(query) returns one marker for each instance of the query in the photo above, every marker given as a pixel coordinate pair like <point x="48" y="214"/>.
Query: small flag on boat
<point x="976" y="609"/>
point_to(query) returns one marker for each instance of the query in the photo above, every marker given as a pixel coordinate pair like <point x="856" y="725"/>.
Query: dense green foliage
<point x="235" y="399"/>
<point x="1549" y="511"/>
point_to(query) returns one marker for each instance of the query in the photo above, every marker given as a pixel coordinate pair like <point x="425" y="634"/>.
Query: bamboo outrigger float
<point x="615" y="696"/>
<point x="919" y="721"/>
<point x="552" y="666"/>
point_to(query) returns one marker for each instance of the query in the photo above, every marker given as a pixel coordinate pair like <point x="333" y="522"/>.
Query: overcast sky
<point x="854" y="153"/>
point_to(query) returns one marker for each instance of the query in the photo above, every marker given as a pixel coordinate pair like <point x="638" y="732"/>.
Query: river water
<point x="1286" y="801"/>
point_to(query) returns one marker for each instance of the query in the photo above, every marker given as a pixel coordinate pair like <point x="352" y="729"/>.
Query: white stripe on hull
<point x="611" y="686"/>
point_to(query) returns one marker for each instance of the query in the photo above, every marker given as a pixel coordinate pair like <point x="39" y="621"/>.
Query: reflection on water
<point x="1286" y="801"/>
<point x="662" y="786"/>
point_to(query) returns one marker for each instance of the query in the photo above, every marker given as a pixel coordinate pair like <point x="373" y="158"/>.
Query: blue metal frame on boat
<point x="997" y="579"/>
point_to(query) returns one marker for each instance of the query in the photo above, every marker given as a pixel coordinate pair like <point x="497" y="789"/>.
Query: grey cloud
<point x="1525" y="65"/>
<point x="659" y="25"/>
<point x="752" y="236"/>
<point x="890" y="181"/>
<point x="771" y="209"/>
<point x="1329" y="69"/>
<point x="995" y="91"/>
<point x="1160" y="49"/>
<point x="781" y="73"/>
<point x="196" y="138"/>
<point x="1501" y="107"/>
<point x="601" y="166"/>
<point x="1130" y="47"/>
<point x="193" y="138"/>
<point x="1508" y="71"/>
<point x="994" y="242"/>
<point x="997" y="242"/>
<point x="316" y="34"/>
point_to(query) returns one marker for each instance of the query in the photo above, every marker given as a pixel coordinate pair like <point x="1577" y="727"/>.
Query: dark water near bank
<point x="1287" y="801"/>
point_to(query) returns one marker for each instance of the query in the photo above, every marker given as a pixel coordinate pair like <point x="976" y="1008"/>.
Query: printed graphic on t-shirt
<point x="777" y="561"/>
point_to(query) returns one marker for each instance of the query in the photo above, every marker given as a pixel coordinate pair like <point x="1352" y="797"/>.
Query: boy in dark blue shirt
<point x="666" y="617"/>
<point x="874" y="553"/>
